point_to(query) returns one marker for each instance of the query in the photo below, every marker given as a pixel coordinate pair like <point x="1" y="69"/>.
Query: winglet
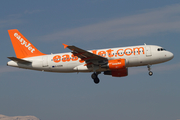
<point x="65" y="46"/>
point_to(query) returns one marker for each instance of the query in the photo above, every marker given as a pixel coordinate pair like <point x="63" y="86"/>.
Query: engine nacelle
<point x="117" y="73"/>
<point x="116" y="64"/>
<point x="117" y="68"/>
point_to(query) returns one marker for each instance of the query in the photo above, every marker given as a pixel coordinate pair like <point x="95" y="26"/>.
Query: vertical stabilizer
<point x="22" y="47"/>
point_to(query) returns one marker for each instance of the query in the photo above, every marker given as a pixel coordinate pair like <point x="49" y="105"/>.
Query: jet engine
<point x="117" y="68"/>
<point x="115" y="64"/>
<point x="117" y="73"/>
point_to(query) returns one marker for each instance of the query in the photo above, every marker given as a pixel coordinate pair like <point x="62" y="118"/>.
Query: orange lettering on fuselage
<point x="126" y="53"/>
<point x="81" y="61"/>
<point x="120" y="52"/>
<point x="109" y="53"/>
<point x="94" y="51"/>
<point x="102" y="53"/>
<point x="66" y="58"/>
<point x="57" y="58"/>
<point x="138" y="49"/>
<point x="74" y="58"/>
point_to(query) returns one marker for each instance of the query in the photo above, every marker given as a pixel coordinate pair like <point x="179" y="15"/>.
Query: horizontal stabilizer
<point x="19" y="60"/>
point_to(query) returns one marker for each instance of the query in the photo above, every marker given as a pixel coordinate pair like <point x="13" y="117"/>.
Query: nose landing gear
<point x="149" y="69"/>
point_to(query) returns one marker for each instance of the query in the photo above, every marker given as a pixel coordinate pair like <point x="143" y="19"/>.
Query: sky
<point x="91" y="24"/>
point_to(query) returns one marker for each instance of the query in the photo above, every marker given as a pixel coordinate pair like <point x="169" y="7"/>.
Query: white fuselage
<point x="66" y="62"/>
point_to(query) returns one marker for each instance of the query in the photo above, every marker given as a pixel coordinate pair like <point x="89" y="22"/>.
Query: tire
<point x="150" y="73"/>
<point x="96" y="81"/>
<point x="94" y="76"/>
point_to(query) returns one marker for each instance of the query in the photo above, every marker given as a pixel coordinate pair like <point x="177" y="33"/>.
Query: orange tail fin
<point x="22" y="47"/>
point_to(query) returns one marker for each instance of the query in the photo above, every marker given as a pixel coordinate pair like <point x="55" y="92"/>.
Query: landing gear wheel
<point x="96" y="80"/>
<point x="94" y="76"/>
<point x="150" y="73"/>
<point x="149" y="69"/>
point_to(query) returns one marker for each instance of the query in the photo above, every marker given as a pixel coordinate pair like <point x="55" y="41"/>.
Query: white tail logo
<point x="23" y="42"/>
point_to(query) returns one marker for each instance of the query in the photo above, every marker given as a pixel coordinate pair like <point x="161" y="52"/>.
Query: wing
<point x="84" y="55"/>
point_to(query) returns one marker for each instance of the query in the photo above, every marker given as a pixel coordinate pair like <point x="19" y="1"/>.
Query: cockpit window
<point x="161" y="49"/>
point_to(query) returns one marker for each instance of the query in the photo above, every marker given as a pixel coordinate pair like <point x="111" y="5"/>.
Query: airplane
<point x="111" y="61"/>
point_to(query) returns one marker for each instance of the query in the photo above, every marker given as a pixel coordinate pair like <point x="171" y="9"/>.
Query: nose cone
<point x="170" y="55"/>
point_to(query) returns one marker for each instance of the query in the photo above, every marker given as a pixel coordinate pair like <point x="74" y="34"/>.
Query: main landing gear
<point x="95" y="77"/>
<point x="149" y="69"/>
